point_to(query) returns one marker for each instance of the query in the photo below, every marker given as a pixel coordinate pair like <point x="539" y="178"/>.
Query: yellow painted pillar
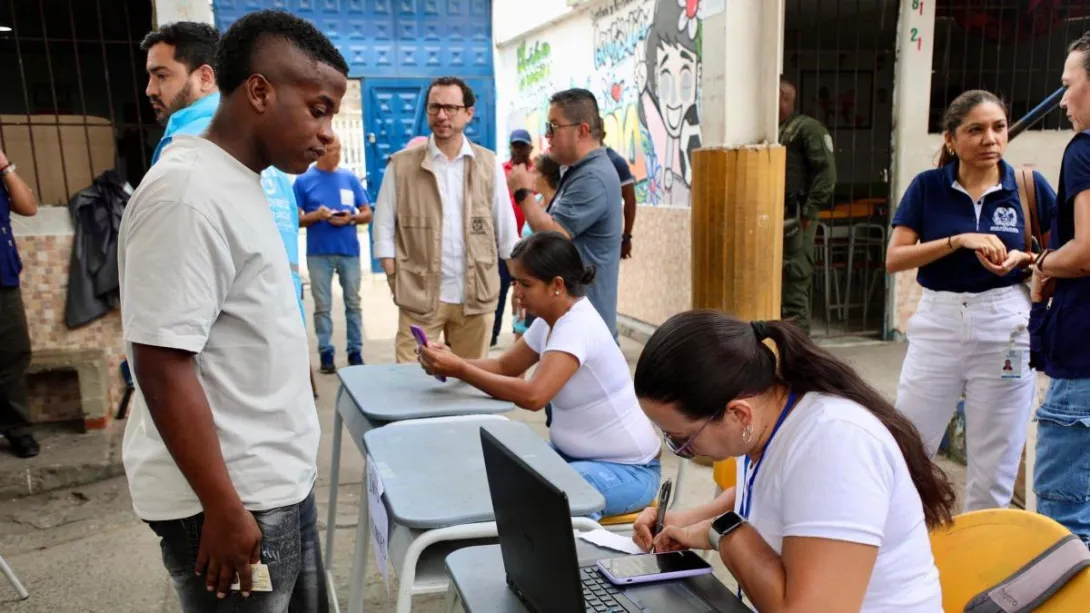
<point x="738" y="176"/>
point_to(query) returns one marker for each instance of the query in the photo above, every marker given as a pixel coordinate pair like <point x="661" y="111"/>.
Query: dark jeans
<point x="505" y="283"/>
<point x="14" y="360"/>
<point x="289" y="546"/>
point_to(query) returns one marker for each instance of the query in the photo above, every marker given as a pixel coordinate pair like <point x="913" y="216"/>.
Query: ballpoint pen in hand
<point x="660" y="519"/>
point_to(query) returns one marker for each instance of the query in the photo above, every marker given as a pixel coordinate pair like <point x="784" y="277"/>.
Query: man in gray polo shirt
<point x="587" y="206"/>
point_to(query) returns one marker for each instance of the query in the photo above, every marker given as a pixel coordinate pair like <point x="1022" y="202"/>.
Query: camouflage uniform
<point x="811" y="176"/>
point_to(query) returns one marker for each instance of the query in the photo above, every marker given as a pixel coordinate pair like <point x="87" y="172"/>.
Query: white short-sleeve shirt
<point x="203" y="269"/>
<point x="595" y="415"/>
<point x="834" y="471"/>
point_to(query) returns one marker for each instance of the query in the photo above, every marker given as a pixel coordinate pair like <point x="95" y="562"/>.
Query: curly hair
<point x="234" y="58"/>
<point x="194" y="43"/>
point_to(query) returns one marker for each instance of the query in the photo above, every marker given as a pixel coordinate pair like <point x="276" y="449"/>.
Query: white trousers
<point x="961" y="343"/>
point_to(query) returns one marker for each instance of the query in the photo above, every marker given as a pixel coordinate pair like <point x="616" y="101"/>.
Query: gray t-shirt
<point x="587" y="206"/>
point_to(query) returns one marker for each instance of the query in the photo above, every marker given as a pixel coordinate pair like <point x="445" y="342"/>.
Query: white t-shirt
<point x="834" y="471"/>
<point x="595" y="415"/>
<point x="203" y="269"/>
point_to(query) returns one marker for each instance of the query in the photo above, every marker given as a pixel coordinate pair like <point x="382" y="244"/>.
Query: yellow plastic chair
<point x="623" y="523"/>
<point x="982" y="548"/>
<point x="725" y="474"/>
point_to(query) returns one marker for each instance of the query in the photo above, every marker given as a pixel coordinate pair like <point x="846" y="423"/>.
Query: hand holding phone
<point x="422" y="341"/>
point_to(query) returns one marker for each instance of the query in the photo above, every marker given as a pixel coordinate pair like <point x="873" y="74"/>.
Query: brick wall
<point x="45" y="285"/>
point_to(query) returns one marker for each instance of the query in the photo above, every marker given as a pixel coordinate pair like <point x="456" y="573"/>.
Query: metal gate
<point x="840" y="55"/>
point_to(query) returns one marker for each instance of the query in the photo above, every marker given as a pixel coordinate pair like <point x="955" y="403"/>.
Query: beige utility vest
<point x="418" y="237"/>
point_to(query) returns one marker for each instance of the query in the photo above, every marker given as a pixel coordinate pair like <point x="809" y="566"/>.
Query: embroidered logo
<point x="1005" y="219"/>
<point x="478" y="226"/>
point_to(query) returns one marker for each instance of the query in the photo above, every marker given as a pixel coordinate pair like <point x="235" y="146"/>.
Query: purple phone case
<point x="680" y="574"/>
<point x="422" y="340"/>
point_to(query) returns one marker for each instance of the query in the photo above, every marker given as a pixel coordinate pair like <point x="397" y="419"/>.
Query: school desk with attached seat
<point x="436" y="495"/>
<point x="371" y="396"/>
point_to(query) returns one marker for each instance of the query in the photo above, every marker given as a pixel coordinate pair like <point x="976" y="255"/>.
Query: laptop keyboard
<point x="598" y="593"/>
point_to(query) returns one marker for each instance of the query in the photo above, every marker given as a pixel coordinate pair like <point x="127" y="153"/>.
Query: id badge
<point x="1012" y="364"/>
<point x="348" y="197"/>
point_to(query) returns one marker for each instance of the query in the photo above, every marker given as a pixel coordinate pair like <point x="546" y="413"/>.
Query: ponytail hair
<point x="702" y="360"/>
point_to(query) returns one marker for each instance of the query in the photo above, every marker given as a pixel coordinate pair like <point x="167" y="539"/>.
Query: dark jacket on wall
<point x="93" y="280"/>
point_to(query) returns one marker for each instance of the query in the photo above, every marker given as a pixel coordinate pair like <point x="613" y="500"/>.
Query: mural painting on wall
<point x="645" y="71"/>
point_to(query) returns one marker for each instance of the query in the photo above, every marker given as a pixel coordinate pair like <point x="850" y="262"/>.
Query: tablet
<point x="648" y="567"/>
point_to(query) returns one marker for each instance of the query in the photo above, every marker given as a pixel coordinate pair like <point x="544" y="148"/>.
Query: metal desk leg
<point x="359" y="559"/>
<point x="13" y="580"/>
<point x="335" y="478"/>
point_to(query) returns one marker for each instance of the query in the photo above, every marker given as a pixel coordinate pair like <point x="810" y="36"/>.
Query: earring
<point x="747" y="434"/>
<point x="556" y="292"/>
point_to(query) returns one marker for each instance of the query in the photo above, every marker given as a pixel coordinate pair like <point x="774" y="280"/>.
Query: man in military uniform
<point x="811" y="176"/>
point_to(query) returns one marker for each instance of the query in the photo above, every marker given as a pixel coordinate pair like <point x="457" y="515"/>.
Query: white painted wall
<point x="169" y="11"/>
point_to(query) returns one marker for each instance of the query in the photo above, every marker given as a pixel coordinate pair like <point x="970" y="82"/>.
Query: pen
<point x="664" y="501"/>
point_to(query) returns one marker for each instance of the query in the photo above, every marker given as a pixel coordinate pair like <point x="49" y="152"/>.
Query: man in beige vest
<point x="443" y="220"/>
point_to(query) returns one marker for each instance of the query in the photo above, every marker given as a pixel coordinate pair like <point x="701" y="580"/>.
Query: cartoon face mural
<point x="646" y="72"/>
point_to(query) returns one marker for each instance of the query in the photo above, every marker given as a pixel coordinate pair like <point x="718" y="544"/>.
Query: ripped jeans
<point x="289" y="546"/>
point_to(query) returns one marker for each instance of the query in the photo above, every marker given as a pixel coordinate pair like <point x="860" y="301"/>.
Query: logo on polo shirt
<point x="1005" y="219"/>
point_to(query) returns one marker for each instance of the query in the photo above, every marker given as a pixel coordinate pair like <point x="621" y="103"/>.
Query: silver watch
<point x="10" y="168"/>
<point x="722" y="526"/>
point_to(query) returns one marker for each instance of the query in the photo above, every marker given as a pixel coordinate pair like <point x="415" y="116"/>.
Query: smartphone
<point x="422" y="341"/>
<point x="341" y="213"/>
<point x="648" y="567"/>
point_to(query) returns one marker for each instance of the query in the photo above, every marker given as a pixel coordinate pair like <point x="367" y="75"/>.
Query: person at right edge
<point x="221" y="448"/>
<point x="963" y="227"/>
<point x="1060" y="320"/>
<point x="811" y="177"/>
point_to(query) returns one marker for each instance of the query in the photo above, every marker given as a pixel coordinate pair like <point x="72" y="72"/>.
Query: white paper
<point x="380" y="523"/>
<point x="610" y="540"/>
<point x="712" y="7"/>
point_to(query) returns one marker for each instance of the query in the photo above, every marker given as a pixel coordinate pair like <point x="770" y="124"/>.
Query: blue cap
<point x="521" y="136"/>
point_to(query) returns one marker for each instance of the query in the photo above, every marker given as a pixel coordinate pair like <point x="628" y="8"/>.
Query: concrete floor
<point x="82" y="549"/>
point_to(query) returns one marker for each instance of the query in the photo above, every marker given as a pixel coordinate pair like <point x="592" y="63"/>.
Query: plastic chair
<point x="982" y="548"/>
<point x="725" y="475"/>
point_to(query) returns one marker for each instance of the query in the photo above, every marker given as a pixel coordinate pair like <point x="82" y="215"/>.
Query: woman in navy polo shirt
<point x="962" y="225"/>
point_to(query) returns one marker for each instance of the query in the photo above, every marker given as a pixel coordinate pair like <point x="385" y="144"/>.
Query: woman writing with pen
<point x="836" y="492"/>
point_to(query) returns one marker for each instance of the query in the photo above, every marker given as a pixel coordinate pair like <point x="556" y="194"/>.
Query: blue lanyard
<point x="747" y="498"/>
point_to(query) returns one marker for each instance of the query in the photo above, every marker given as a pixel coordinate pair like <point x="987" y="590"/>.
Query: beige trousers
<point x="467" y="337"/>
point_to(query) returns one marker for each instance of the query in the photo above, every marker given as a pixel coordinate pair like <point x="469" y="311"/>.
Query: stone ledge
<point x="91" y="366"/>
<point x="67" y="459"/>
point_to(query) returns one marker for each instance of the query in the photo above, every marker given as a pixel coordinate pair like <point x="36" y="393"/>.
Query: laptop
<point x="533" y="521"/>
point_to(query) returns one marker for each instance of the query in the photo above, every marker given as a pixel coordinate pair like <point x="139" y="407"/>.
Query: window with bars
<point x="1013" y="48"/>
<point x="72" y="104"/>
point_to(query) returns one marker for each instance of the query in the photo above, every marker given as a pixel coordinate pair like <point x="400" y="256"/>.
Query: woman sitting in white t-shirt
<point x="597" y="424"/>
<point x="836" y="491"/>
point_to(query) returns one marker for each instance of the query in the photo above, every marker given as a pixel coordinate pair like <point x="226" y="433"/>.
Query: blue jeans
<point x="321" y="269"/>
<point x="627" y="488"/>
<point x="505" y="283"/>
<point x="1061" y="476"/>
<point x="289" y="546"/>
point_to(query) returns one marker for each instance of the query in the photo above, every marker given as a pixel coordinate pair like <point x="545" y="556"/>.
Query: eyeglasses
<point x="682" y="449"/>
<point x="450" y="109"/>
<point x="551" y="127"/>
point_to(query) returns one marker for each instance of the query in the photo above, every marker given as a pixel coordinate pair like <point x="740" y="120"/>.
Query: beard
<point x="181" y="100"/>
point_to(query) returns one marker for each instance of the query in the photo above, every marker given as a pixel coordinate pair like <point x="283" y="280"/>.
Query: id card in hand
<point x="260" y="577"/>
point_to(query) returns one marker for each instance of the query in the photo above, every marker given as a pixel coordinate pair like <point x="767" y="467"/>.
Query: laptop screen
<point x="535" y="531"/>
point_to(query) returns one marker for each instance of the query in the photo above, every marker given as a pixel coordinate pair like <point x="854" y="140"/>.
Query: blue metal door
<point x="393" y="113"/>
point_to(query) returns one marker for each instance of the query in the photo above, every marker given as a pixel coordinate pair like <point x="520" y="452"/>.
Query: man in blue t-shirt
<point x="332" y="203"/>
<point x="1060" y="326"/>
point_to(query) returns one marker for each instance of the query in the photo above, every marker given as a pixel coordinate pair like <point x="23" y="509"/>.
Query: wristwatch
<point x="722" y="526"/>
<point x="7" y="170"/>
<point x="522" y="193"/>
<point x="626" y="238"/>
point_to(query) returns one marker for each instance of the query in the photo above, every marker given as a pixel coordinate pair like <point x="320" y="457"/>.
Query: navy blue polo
<point x="936" y="207"/>
<point x="1058" y="333"/>
<point x="10" y="265"/>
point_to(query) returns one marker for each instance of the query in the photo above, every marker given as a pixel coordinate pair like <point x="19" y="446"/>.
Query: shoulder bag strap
<point x="1027" y="195"/>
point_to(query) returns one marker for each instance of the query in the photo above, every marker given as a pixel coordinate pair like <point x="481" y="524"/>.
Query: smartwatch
<point x="722" y="526"/>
